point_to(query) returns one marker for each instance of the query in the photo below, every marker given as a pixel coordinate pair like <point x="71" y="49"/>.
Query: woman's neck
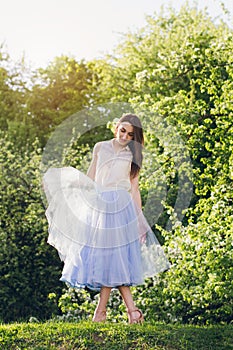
<point x="117" y="146"/>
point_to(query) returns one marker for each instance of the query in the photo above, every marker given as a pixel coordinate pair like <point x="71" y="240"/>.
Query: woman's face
<point x="124" y="133"/>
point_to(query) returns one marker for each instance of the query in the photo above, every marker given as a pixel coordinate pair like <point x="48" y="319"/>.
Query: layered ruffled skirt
<point x="101" y="236"/>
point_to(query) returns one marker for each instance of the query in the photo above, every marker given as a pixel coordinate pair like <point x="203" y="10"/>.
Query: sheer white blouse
<point x="112" y="167"/>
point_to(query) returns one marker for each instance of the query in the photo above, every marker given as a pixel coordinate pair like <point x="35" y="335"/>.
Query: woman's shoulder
<point x="102" y="145"/>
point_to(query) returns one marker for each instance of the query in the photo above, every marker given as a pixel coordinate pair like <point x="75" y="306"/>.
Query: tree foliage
<point x="60" y="90"/>
<point x="29" y="269"/>
<point x="178" y="70"/>
<point x="177" y="74"/>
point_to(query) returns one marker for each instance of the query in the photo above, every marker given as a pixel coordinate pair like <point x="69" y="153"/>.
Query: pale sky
<point x="43" y="29"/>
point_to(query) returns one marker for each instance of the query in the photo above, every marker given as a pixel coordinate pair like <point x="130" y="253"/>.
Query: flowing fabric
<point x="101" y="236"/>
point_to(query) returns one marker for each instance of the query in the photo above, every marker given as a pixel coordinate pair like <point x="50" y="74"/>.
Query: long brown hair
<point x="136" y="143"/>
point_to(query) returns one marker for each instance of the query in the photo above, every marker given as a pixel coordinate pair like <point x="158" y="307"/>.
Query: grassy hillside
<point x="87" y="335"/>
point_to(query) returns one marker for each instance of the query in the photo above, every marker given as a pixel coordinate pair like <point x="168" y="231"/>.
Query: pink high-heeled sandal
<point x="139" y="319"/>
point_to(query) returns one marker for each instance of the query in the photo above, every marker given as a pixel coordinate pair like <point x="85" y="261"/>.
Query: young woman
<point x="96" y="222"/>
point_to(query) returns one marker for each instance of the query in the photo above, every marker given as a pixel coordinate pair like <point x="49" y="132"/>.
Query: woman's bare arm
<point x="92" y="168"/>
<point x="135" y="191"/>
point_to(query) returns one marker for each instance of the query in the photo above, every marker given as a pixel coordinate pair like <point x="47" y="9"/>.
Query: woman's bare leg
<point x="100" y="311"/>
<point x="135" y="315"/>
<point x="127" y="297"/>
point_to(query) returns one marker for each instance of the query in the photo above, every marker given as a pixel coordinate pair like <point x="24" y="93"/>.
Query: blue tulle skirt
<point x="101" y="236"/>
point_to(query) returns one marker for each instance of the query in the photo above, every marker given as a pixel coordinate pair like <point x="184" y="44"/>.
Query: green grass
<point x="113" y="336"/>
